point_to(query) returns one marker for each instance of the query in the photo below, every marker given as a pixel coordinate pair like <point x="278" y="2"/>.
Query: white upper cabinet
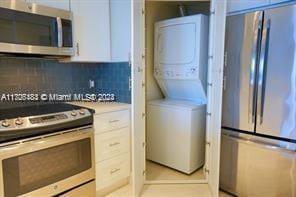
<point x="91" y="30"/>
<point x="240" y="5"/>
<point x="120" y="30"/>
<point x="61" y="4"/>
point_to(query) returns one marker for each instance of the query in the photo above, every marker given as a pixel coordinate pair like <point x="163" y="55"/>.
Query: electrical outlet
<point x="129" y="84"/>
<point x="91" y="83"/>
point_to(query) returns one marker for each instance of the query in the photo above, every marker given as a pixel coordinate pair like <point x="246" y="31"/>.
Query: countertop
<point x="103" y="107"/>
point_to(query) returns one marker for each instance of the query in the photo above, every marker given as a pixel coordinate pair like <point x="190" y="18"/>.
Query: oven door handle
<point x="60" y="32"/>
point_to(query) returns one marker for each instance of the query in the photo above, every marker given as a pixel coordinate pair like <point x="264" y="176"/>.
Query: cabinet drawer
<point x="112" y="143"/>
<point x="112" y="120"/>
<point x="112" y="170"/>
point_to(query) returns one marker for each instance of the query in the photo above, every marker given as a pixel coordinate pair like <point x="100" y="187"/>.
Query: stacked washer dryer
<point x="176" y="124"/>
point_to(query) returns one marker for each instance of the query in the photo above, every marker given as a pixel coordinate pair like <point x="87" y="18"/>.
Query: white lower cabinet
<point x="110" y="121"/>
<point x="112" y="149"/>
<point x="112" y="143"/>
<point x="112" y="170"/>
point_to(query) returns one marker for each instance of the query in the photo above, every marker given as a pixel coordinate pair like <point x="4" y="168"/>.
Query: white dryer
<point x="176" y="124"/>
<point x="181" y="56"/>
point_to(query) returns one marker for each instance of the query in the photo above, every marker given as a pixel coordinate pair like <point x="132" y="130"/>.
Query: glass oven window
<point x="25" y="173"/>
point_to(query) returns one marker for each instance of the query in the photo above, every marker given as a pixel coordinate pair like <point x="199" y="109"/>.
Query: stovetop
<point x="36" y="110"/>
<point x="23" y="122"/>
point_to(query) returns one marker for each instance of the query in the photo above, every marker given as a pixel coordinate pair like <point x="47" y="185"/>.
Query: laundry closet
<point x="176" y="94"/>
<point x="177" y="59"/>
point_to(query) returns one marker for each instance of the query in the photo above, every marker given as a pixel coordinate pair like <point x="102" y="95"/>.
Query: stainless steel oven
<point x="55" y="164"/>
<point x="27" y="28"/>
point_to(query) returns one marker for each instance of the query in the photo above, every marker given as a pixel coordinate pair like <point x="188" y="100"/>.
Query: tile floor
<point x="169" y="190"/>
<point x="155" y="172"/>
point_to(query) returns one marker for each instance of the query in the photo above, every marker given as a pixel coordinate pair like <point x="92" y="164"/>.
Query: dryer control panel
<point x="176" y="73"/>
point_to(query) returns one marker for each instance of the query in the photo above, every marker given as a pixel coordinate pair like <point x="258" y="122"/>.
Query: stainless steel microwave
<point x="28" y="28"/>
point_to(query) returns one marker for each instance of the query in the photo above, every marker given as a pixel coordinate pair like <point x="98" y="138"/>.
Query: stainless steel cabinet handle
<point x="113" y="121"/>
<point x="114" y="170"/>
<point x="262" y="70"/>
<point x="253" y="68"/>
<point x="60" y="32"/>
<point x="114" y="144"/>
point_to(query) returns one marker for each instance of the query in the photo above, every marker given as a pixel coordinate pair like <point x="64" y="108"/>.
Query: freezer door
<point x="256" y="169"/>
<point x="276" y="103"/>
<point x="243" y="35"/>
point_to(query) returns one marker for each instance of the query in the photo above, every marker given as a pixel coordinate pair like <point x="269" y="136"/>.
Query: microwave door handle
<point x="263" y="69"/>
<point x="253" y="67"/>
<point x="60" y="32"/>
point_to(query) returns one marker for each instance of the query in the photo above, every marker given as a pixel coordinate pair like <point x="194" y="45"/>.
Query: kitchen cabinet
<point x="61" y="4"/>
<point x="112" y="149"/>
<point x="120" y="30"/>
<point x="240" y="5"/>
<point x="91" y="31"/>
<point x="112" y="139"/>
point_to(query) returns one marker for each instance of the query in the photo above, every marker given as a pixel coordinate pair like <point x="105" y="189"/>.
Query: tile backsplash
<point x="49" y="76"/>
<point x="114" y="78"/>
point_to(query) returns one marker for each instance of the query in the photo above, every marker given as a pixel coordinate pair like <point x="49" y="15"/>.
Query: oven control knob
<point x="82" y="112"/>
<point x="5" y="123"/>
<point x="19" y="121"/>
<point x="74" y="113"/>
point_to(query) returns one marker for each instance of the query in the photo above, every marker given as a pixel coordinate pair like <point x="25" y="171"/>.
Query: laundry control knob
<point x="81" y="112"/>
<point x="74" y="113"/>
<point x="19" y="121"/>
<point x="5" y="123"/>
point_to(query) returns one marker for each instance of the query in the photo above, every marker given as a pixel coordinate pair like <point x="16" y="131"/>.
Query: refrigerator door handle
<point x="257" y="143"/>
<point x="253" y="68"/>
<point x="262" y="70"/>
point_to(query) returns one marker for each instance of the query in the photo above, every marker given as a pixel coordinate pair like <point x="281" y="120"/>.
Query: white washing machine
<point x="176" y="124"/>
<point x="176" y="136"/>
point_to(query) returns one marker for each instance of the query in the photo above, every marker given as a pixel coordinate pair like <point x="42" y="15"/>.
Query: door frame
<point x="214" y="91"/>
<point x="138" y="96"/>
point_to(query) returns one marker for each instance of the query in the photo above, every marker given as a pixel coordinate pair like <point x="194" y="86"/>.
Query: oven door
<point x="34" y="29"/>
<point x="48" y="166"/>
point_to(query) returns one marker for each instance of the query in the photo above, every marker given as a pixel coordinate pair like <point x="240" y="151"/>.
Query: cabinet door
<point x="91" y="29"/>
<point x="240" y="5"/>
<point x="138" y="97"/>
<point x="120" y="30"/>
<point x="61" y="4"/>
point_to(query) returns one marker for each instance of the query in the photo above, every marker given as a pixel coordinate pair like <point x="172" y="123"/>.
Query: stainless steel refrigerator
<point x="258" y="146"/>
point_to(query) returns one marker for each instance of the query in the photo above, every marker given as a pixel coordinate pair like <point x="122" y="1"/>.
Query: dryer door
<point x="176" y="44"/>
